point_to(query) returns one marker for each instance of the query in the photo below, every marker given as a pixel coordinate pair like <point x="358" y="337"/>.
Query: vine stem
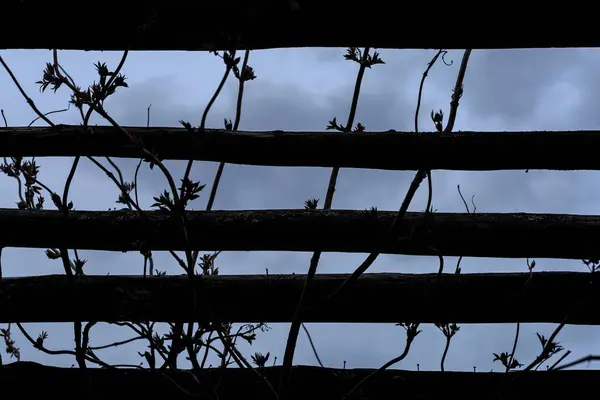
<point x="292" y="339"/>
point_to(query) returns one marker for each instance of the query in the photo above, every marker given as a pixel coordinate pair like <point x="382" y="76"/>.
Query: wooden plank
<point x="468" y="151"/>
<point x="262" y="24"/>
<point x="31" y="380"/>
<point x="470" y="235"/>
<point x="467" y="298"/>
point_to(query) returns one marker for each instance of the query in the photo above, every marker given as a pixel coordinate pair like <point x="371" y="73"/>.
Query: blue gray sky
<point x="302" y="89"/>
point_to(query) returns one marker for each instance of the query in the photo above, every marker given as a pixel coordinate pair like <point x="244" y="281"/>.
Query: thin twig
<point x="411" y="333"/>
<point x="27" y="98"/>
<point x="588" y="358"/>
<point x="50" y="113"/>
<point x="312" y="345"/>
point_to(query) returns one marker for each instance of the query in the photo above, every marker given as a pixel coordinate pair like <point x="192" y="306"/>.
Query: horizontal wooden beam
<point x="468" y="298"/>
<point x="32" y="380"/>
<point x="469" y="235"/>
<point x="469" y="151"/>
<point x="173" y="25"/>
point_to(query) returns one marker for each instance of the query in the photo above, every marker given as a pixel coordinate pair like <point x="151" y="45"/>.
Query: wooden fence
<point x="294" y="23"/>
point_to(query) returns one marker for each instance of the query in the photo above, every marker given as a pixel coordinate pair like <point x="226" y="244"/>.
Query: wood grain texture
<point x="468" y="151"/>
<point x="469" y="235"/>
<point x="390" y="298"/>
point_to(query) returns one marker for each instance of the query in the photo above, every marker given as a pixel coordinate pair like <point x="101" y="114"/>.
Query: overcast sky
<point x="302" y="89"/>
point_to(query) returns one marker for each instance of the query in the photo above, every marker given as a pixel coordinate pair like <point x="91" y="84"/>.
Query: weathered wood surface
<point x="468" y="298"/>
<point x="31" y="380"/>
<point x="469" y="235"/>
<point x="174" y="25"/>
<point x="469" y="151"/>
